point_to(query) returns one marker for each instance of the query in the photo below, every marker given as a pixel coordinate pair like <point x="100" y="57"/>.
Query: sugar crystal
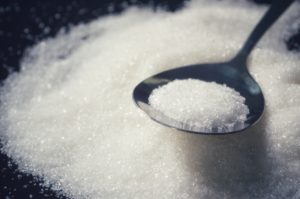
<point x="201" y="106"/>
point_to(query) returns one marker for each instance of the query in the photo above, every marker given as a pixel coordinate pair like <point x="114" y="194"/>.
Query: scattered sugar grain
<point x="68" y="116"/>
<point x="201" y="106"/>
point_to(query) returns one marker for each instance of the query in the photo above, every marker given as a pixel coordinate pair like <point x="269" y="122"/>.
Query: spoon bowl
<point x="233" y="73"/>
<point x="221" y="73"/>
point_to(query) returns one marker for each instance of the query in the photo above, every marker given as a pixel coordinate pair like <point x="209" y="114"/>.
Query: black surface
<point x="25" y="22"/>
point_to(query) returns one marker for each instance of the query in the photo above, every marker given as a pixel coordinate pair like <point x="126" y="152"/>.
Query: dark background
<point x="25" y="22"/>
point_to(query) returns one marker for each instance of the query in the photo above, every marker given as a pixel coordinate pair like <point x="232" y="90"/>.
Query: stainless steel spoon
<point x="233" y="73"/>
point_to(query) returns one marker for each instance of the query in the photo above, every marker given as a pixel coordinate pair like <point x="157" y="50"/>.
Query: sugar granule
<point x="201" y="106"/>
<point x="68" y="116"/>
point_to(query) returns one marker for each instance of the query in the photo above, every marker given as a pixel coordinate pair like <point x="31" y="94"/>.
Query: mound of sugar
<point x="68" y="116"/>
<point x="202" y="106"/>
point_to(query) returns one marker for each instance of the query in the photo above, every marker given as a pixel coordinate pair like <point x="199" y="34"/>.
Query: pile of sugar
<point x="201" y="106"/>
<point x="68" y="116"/>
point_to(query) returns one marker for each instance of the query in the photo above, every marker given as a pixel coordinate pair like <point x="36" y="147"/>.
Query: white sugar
<point x="201" y="106"/>
<point x="69" y="117"/>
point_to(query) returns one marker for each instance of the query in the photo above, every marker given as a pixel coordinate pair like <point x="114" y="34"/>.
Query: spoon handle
<point x="273" y="13"/>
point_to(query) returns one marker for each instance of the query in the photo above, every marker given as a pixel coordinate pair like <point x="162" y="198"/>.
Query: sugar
<point x="69" y="118"/>
<point x="201" y="106"/>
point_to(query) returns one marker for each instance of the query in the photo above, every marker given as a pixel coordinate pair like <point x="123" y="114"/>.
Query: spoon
<point x="233" y="73"/>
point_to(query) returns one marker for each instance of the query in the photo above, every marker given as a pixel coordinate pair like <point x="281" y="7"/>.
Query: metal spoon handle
<point x="274" y="12"/>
